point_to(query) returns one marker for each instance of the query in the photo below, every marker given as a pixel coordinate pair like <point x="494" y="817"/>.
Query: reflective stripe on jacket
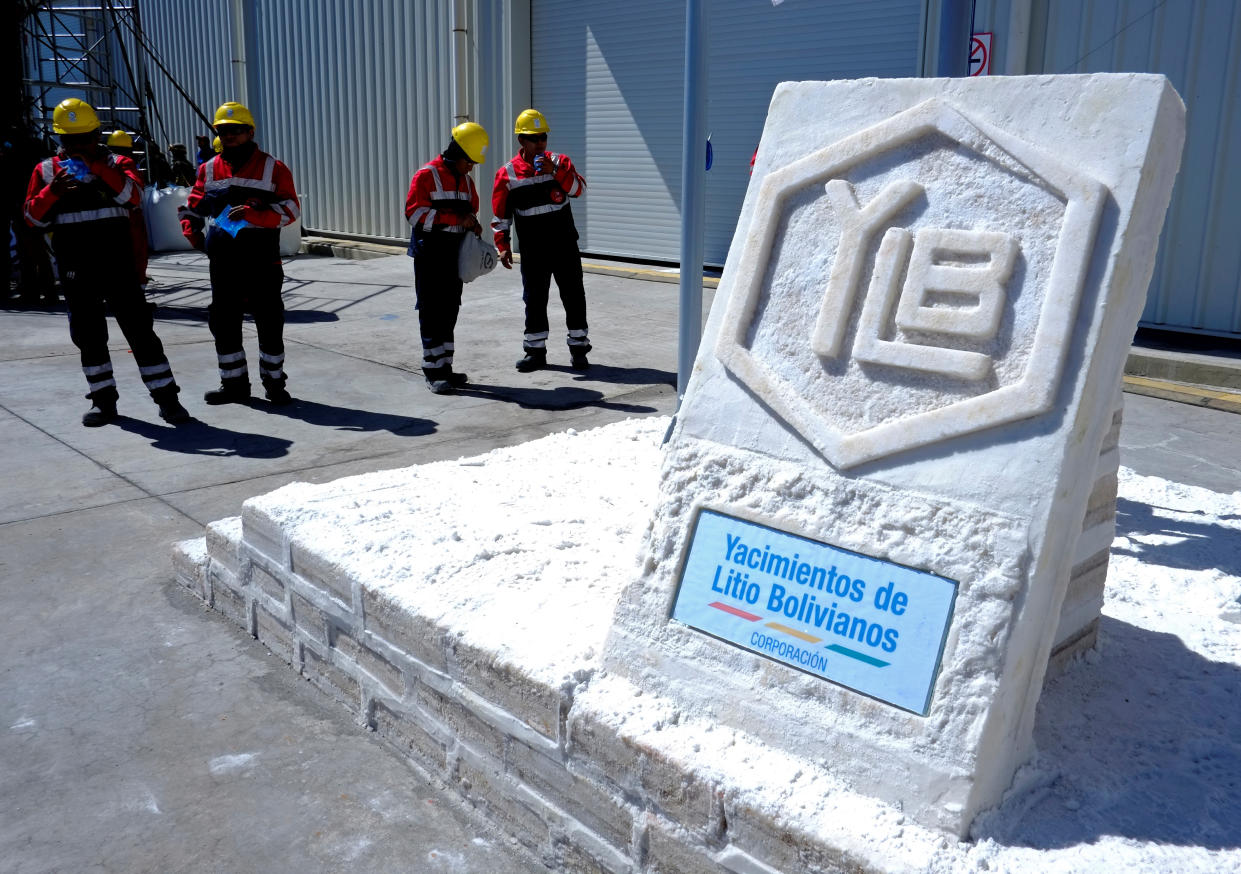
<point x="111" y="188"/>
<point x="262" y="183"/>
<point x="439" y="199"/>
<point x="519" y="193"/>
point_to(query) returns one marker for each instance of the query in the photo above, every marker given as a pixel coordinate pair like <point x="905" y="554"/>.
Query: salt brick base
<point x="577" y="790"/>
<point x="488" y="730"/>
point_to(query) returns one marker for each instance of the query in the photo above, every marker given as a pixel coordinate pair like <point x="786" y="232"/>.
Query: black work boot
<point x="229" y="392"/>
<point x="172" y="412"/>
<point x="101" y="413"/>
<point x="579" y="361"/>
<point x="170" y="409"/>
<point x="457" y="379"/>
<point x="532" y="361"/>
<point x="277" y="394"/>
<point x="439" y="380"/>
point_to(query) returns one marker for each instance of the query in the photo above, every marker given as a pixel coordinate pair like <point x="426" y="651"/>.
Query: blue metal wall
<point x="609" y="78"/>
<point x="1197" y="45"/>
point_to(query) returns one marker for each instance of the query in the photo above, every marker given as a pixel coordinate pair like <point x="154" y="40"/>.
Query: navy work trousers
<point x="437" y="286"/>
<point x="539" y="265"/>
<point x="97" y="273"/>
<point x="246" y="277"/>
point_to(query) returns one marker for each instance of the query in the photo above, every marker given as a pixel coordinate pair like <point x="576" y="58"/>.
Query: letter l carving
<point x="857" y="225"/>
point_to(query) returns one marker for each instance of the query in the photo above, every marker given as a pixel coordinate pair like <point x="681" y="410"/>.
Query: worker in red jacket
<point x="442" y="206"/>
<point x="531" y="193"/>
<point x="84" y="195"/>
<point x="122" y="143"/>
<point x="247" y="196"/>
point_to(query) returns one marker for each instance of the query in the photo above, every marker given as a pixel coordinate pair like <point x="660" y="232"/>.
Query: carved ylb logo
<point x="929" y="261"/>
<point x="914" y="282"/>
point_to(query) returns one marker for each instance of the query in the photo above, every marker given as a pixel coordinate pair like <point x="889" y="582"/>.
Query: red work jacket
<point x="262" y="184"/>
<point x="439" y="199"/>
<point x="110" y="192"/>
<point x="521" y="195"/>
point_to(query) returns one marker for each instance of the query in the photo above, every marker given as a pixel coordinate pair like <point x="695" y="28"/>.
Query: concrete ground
<point x="139" y="731"/>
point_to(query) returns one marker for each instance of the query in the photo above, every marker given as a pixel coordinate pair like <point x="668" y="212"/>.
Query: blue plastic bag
<point x="76" y="168"/>
<point x="230" y="225"/>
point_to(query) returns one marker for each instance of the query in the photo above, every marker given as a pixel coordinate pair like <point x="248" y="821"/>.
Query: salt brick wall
<point x="565" y="786"/>
<point x="563" y="783"/>
<point x="1078" y="627"/>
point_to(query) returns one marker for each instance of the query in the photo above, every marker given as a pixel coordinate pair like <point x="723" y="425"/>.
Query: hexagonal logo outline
<point x="1032" y="394"/>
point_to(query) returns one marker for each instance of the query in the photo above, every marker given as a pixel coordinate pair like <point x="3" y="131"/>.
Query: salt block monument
<point x="872" y="496"/>
<point x="882" y="517"/>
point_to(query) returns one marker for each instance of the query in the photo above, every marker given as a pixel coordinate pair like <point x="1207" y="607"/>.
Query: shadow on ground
<point x="199" y="438"/>
<point x="622" y="375"/>
<point x="1140" y="743"/>
<point x="191" y="313"/>
<point x="565" y="397"/>
<point x="348" y="418"/>
<point x="1198" y="545"/>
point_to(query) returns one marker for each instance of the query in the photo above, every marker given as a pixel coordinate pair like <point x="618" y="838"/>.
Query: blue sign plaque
<point x="873" y="626"/>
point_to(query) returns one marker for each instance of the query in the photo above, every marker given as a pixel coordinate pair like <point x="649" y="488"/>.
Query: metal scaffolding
<point x="76" y="49"/>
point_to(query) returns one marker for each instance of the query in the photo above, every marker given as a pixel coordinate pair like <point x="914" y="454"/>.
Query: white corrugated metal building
<point x="356" y="94"/>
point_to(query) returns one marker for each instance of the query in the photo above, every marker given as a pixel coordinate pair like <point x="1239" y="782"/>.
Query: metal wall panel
<point x="500" y="48"/>
<point x="1197" y="280"/>
<point x="609" y="82"/>
<point x="1008" y="22"/>
<point x="752" y="47"/>
<point x="610" y="78"/>
<point x="191" y="41"/>
<point x="354" y="97"/>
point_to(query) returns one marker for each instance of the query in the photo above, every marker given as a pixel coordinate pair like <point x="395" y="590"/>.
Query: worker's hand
<point x="471" y="224"/>
<point x="506" y="258"/>
<point x="239" y="213"/>
<point x="63" y="182"/>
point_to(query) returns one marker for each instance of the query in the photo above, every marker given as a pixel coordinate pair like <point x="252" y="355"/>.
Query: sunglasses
<point x="542" y="138"/>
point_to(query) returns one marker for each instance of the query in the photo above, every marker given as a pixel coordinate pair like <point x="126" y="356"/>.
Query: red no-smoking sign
<point x="980" y="54"/>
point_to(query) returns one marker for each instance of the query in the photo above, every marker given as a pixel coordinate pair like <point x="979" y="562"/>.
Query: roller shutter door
<point x="608" y="76"/>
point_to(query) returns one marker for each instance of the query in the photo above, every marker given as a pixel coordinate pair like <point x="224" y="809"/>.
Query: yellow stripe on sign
<point x="800" y="635"/>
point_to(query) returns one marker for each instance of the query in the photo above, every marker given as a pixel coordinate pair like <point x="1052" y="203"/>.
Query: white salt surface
<point x="501" y="548"/>
<point x="525" y="550"/>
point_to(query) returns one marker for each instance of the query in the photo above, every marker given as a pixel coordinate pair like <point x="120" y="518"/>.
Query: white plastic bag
<point x="477" y="257"/>
<point x="291" y="234"/>
<point x="159" y="208"/>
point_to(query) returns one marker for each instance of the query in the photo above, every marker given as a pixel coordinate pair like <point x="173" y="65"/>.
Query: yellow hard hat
<point x="121" y="139"/>
<point x="531" y="121"/>
<point x="74" y="116"/>
<point x="472" y="139"/>
<point x="217" y="145"/>
<point x="232" y="113"/>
